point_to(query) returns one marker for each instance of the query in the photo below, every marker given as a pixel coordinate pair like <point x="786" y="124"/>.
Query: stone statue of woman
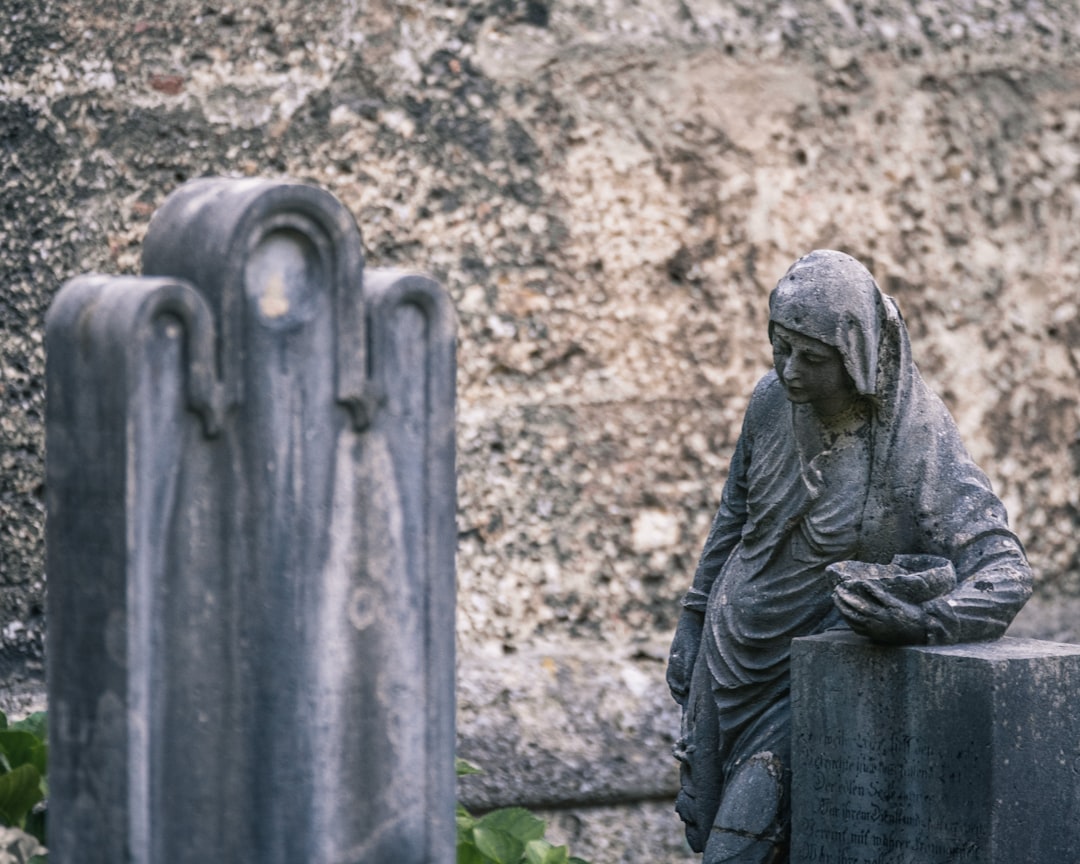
<point x="847" y="468"/>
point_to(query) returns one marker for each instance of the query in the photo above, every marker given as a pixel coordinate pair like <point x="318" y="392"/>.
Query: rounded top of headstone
<point x="210" y="223"/>
<point x="273" y="246"/>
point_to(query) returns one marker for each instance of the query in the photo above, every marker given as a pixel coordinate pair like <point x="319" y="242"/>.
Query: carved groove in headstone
<point x="114" y="343"/>
<point x="134" y="304"/>
<point x="412" y="352"/>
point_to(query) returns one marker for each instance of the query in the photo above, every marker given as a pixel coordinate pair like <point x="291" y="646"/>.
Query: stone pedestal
<point x="966" y="754"/>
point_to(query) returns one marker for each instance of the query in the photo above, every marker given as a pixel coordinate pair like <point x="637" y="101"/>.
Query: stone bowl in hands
<point x="912" y="578"/>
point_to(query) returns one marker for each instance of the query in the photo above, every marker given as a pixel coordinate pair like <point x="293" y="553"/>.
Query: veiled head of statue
<point x="831" y="297"/>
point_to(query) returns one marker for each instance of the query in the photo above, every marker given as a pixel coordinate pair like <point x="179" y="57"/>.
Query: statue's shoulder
<point x="767" y="402"/>
<point x="768" y="396"/>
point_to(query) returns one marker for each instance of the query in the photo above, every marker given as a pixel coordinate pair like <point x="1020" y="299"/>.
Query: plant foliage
<point x="24" y="761"/>
<point x="510" y="835"/>
<point x="507" y="836"/>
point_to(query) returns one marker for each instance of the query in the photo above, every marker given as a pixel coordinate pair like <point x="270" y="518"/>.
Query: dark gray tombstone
<point x="961" y="754"/>
<point x="251" y="538"/>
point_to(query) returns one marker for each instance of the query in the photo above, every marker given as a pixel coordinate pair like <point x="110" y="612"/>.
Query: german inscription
<point x="872" y="801"/>
<point x="959" y="754"/>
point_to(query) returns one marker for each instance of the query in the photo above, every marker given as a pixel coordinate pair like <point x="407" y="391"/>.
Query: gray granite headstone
<point x="966" y="754"/>
<point x="251" y="498"/>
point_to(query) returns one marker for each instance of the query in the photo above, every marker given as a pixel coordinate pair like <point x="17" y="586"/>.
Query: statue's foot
<point x="750" y="826"/>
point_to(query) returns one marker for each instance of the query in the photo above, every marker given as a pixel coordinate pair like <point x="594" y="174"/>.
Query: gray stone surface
<point x="967" y="753"/>
<point x="553" y="726"/>
<point x="608" y="192"/>
<point x="251" y="545"/>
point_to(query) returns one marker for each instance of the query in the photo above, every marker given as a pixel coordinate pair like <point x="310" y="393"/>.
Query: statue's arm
<point x="723" y="536"/>
<point x="966" y="523"/>
<point x="725" y="532"/>
<point x="993" y="579"/>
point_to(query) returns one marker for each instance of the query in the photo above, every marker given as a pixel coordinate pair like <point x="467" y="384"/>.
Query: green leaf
<point x="464" y="769"/>
<point x="23" y="748"/>
<point x="20" y="790"/>
<point x="37" y="724"/>
<point x="542" y="852"/>
<point x="500" y="847"/>
<point x="465" y="823"/>
<point x="467" y="853"/>
<point x="515" y="821"/>
<point x="3" y="720"/>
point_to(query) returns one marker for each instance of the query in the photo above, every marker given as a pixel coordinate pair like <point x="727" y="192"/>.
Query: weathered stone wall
<point x="609" y="190"/>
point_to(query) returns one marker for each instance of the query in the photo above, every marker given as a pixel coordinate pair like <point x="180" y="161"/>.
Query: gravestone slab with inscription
<point x="251" y="545"/>
<point x="965" y="754"/>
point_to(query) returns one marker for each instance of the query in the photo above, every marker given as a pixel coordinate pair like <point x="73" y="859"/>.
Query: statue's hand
<point x="879" y="615"/>
<point x="684" y="649"/>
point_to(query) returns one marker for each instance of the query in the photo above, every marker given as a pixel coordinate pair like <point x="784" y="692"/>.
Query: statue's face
<point x="811" y="371"/>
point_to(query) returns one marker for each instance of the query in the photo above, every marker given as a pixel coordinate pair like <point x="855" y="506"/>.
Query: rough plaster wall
<point x="609" y="190"/>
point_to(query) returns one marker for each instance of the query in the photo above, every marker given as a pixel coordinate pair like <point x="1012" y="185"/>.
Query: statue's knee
<point x="754" y="797"/>
<point x="751" y="823"/>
